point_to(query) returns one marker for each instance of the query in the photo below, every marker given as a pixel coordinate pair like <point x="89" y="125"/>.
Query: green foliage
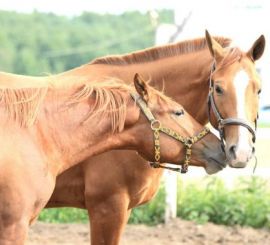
<point x="64" y="215"/>
<point x="247" y="205"/>
<point x="40" y="43"/>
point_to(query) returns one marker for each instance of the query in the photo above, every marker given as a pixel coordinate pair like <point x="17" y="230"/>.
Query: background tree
<point x="39" y="43"/>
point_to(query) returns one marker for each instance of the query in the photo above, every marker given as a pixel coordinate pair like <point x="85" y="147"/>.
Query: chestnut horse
<point x="51" y="127"/>
<point x="185" y="69"/>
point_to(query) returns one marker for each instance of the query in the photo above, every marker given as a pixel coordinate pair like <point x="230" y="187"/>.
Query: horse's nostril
<point x="232" y="150"/>
<point x="253" y="150"/>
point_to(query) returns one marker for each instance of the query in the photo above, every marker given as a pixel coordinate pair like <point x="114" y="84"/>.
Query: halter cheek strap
<point x="157" y="127"/>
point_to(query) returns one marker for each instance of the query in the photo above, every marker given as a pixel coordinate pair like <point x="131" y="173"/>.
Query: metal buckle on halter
<point x="153" y="123"/>
<point x="220" y="124"/>
<point x="189" y="142"/>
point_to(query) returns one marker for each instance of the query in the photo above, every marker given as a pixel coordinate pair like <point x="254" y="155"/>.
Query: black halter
<point x="228" y="121"/>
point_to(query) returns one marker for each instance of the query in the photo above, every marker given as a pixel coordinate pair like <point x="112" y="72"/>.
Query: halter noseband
<point x="228" y="121"/>
<point x="157" y="127"/>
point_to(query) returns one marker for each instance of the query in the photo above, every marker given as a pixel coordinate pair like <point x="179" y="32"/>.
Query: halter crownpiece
<point x="157" y="127"/>
<point x="227" y="121"/>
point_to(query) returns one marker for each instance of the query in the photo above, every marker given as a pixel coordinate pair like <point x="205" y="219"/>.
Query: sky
<point x="70" y="8"/>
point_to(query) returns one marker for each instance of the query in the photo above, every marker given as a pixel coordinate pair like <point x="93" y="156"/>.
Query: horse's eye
<point x="218" y="90"/>
<point x="179" y="112"/>
<point x="259" y="91"/>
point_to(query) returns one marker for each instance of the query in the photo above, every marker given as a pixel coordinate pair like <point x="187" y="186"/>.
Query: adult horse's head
<point x="233" y="98"/>
<point x="174" y="136"/>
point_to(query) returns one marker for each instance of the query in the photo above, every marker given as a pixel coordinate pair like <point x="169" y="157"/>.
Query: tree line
<point x="40" y="43"/>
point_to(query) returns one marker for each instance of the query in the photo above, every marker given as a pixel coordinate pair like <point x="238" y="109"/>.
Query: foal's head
<point x="235" y="92"/>
<point x="206" y="152"/>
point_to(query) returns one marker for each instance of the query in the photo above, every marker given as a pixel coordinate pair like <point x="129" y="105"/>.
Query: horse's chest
<point x="145" y="190"/>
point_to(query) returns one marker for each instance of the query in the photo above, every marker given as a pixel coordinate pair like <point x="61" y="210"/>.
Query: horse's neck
<point x="185" y="78"/>
<point x="69" y="139"/>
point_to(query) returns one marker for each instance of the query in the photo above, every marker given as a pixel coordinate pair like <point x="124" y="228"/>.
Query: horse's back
<point x="11" y="80"/>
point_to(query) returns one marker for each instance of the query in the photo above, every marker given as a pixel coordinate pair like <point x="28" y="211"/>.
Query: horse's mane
<point x="155" y="53"/>
<point x="110" y="101"/>
<point x="22" y="105"/>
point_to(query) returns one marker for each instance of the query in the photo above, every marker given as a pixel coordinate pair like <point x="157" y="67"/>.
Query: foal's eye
<point x="259" y="91"/>
<point x="218" y="90"/>
<point x="179" y="112"/>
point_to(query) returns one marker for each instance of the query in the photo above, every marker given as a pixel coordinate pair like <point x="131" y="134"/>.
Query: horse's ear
<point x="257" y="48"/>
<point x="141" y="87"/>
<point x="215" y="48"/>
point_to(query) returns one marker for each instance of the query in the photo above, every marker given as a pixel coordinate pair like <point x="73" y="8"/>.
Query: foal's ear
<point x="141" y="87"/>
<point x="257" y="48"/>
<point x="215" y="48"/>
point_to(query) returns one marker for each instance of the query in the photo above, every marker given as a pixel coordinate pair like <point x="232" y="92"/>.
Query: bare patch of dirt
<point x="178" y="232"/>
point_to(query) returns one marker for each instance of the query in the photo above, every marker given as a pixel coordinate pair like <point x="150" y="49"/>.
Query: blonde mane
<point x="110" y="100"/>
<point x="22" y="105"/>
<point x="155" y="53"/>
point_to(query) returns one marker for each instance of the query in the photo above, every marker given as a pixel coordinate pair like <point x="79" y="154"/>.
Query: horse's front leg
<point x="14" y="214"/>
<point x="108" y="219"/>
<point x="14" y="232"/>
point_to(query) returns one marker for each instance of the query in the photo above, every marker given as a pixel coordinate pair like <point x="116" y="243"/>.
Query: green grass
<point x="64" y="215"/>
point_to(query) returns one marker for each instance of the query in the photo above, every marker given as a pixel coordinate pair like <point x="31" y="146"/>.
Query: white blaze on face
<point x="243" y="148"/>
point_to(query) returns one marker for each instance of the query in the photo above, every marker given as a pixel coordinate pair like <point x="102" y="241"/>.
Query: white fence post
<point x="171" y="195"/>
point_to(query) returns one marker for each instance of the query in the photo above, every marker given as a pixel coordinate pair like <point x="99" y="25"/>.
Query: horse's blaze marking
<point x="241" y="81"/>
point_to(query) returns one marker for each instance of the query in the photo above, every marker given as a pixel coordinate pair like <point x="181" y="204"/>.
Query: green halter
<point x="157" y="127"/>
